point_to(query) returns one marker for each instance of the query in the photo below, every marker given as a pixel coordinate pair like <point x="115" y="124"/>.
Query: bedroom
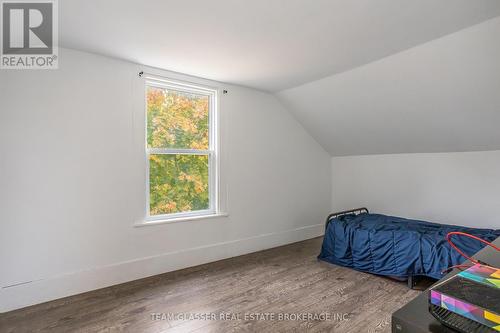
<point x="165" y="163"/>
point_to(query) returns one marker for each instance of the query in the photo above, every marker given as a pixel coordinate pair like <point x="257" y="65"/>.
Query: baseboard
<point x="39" y="291"/>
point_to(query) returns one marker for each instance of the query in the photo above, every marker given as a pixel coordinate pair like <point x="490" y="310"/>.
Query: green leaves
<point x="177" y="119"/>
<point x="177" y="182"/>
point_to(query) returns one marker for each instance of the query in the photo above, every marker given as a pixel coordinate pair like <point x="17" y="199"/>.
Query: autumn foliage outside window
<point x="181" y="156"/>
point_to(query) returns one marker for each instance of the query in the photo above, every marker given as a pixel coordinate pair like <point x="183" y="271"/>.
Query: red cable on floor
<point x="448" y="238"/>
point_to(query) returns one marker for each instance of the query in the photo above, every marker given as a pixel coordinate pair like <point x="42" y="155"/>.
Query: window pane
<point x="178" y="183"/>
<point x="177" y="119"/>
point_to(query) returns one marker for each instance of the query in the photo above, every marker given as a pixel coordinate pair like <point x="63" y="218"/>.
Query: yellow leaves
<point x="178" y="178"/>
<point x="185" y="177"/>
<point x="199" y="186"/>
<point x="154" y="158"/>
<point x="177" y="119"/>
<point x="161" y="135"/>
<point x="171" y="206"/>
<point x="178" y="183"/>
<point x="155" y="97"/>
<point x="165" y="208"/>
<point x="203" y="144"/>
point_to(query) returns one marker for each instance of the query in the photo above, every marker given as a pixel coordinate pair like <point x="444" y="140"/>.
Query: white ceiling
<point x="266" y="44"/>
<point x="442" y="96"/>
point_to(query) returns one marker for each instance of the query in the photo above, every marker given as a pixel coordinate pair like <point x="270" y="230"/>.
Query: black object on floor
<point x="415" y="317"/>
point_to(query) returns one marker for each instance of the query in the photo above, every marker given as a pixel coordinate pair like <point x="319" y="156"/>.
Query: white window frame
<point x="211" y="152"/>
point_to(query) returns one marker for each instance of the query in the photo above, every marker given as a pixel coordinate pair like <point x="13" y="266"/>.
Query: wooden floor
<point x="287" y="280"/>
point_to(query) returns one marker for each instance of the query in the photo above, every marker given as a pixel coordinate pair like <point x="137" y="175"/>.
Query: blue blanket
<point x="398" y="247"/>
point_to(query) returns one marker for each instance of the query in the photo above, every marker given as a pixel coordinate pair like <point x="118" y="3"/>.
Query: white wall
<point x="441" y="96"/>
<point x="454" y="188"/>
<point x="72" y="181"/>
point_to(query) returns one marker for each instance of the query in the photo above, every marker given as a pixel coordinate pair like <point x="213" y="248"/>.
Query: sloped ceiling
<point x="441" y="96"/>
<point x="266" y="44"/>
<point x="363" y="76"/>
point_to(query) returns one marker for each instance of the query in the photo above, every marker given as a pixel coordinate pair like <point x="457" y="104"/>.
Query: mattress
<point x="395" y="246"/>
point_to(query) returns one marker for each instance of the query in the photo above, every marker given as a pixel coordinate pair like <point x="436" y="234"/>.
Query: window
<point x="181" y="150"/>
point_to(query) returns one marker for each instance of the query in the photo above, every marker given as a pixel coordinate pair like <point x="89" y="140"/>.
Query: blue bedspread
<point x="398" y="247"/>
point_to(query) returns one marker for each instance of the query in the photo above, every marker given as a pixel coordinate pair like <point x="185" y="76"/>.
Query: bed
<point x="394" y="246"/>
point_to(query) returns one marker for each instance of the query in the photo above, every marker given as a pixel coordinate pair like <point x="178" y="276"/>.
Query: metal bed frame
<point x="412" y="280"/>
<point x="355" y="211"/>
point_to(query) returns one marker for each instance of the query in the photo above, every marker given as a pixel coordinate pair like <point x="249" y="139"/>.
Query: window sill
<point x="146" y="223"/>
